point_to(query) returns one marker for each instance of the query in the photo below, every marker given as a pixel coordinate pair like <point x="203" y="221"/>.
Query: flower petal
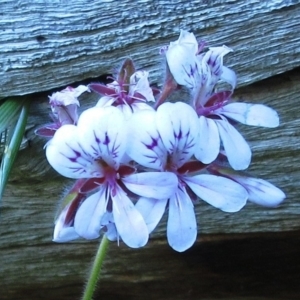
<point x="47" y="130"/>
<point x="105" y="101"/>
<point x="182" y="225"/>
<point x="137" y="106"/>
<point x="144" y="142"/>
<point x="129" y="221"/>
<point x="251" y="114"/>
<point x="64" y="232"/>
<point x="260" y="191"/>
<point x="152" y="210"/>
<point x="218" y="191"/>
<point x="139" y="84"/>
<point x="109" y="226"/>
<point x="237" y="149"/>
<point x="68" y="96"/>
<point x="159" y="185"/>
<point x="214" y="58"/>
<point x="66" y="155"/>
<point x="88" y="217"/>
<point x="181" y="59"/>
<point x="102" y="132"/>
<point x="208" y="146"/>
<point x="111" y="232"/>
<point x="178" y="127"/>
<point x="229" y="76"/>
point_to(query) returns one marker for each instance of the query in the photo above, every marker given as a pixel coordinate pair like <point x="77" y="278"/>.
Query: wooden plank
<point x="34" y="267"/>
<point x="46" y="44"/>
<point x="248" y="267"/>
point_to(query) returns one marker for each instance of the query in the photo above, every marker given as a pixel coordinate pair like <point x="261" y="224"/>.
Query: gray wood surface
<point x="46" y="44"/>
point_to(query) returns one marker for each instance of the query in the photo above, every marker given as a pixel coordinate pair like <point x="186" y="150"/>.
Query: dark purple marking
<point x="154" y="158"/>
<point x="191" y="167"/>
<point x="70" y="215"/>
<point x="179" y="135"/>
<point x="153" y="144"/>
<point x="218" y="99"/>
<point x="212" y="62"/>
<point x="77" y="154"/>
<point x="101" y="89"/>
<point x="97" y="140"/>
<point x="114" y="150"/>
<point x="106" y="140"/>
<point x="91" y="184"/>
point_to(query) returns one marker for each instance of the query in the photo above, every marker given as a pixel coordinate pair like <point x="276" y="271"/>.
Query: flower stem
<point x="95" y="272"/>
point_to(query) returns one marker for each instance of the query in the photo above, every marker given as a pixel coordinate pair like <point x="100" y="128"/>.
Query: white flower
<point x="64" y="110"/>
<point x="67" y="96"/>
<point x="94" y="149"/>
<point x="166" y="140"/>
<point x="128" y="98"/>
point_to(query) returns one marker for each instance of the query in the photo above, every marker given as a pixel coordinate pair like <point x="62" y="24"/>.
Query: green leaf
<point x="9" y="111"/>
<point x="13" y="144"/>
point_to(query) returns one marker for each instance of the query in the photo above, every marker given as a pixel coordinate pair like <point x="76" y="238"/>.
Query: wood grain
<point x="46" y="44"/>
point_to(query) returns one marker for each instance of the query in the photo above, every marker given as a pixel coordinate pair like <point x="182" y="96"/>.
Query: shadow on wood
<point x="241" y="267"/>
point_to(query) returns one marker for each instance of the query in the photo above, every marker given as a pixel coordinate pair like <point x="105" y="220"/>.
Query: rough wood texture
<point x="46" y="44"/>
<point x="250" y="255"/>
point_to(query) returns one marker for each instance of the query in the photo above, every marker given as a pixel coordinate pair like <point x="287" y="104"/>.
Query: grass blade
<point x="13" y="145"/>
<point x="9" y="111"/>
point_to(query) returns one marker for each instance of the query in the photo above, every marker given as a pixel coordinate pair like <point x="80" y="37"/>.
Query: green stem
<point x="95" y="272"/>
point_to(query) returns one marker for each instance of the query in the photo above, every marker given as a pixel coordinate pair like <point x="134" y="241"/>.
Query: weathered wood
<point x="45" y="44"/>
<point x="34" y="267"/>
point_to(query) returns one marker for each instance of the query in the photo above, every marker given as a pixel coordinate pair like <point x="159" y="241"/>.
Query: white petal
<point x="261" y="191"/>
<point x="88" y="217"/>
<point x="208" y="146"/>
<point x="144" y="142"/>
<point x="66" y="155"/>
<point x="140" y="84"/>
<point x="68" y="96"/>
<point x="102" y="133"/>
<point x="126" y="110"/>
<point x="129" y="221"/>
<point x="111" y="230"/>
<point x="188" y="39"/>
<point x="64" y="233"/>
<point x="214" y="58"/>
<point x="204" y="87"/>
<point x="178" y="127"/>
<point x="157" y="185"/>
<point x="181" y="58"/>
<point x="137" y="106"/>
<point x="105" y="101"/>
<point x="251" y="114"/>
<point x="237" y="149"/>
<point x="218" y="191"/>
<point x="152" y="211"/>
<point x="229" y="76"/>
<point x="112" y="233"/>
<point x="182" y="225"/>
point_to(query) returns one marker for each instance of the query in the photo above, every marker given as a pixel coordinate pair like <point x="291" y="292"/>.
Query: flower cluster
<point x="136" y="156"/>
